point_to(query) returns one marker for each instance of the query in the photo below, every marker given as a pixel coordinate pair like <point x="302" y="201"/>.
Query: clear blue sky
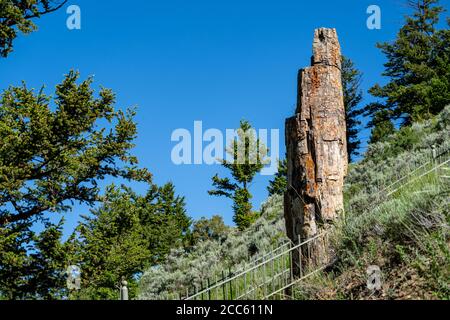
<point x="180" y="61"/>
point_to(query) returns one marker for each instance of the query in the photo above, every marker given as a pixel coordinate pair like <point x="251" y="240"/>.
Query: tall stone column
<point x="316" y="151"/>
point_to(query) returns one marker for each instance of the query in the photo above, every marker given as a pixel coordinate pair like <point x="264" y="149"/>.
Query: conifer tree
<point x="279" y="183"/>
<point x="126" y="235"/>
<point x="39" y="273"/>
<point x="53" y="153"/>
<point x="382" y="127"/>
<point x="249" y="157"/>
<point x="417" y="67"/>
<point x="16" y="16"/>
<point x="351" y="81"/>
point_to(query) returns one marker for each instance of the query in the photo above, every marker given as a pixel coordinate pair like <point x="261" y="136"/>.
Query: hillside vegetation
<point x="406" y="234"/>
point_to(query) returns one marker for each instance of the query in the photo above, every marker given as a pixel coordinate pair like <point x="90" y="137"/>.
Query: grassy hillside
<point x="215" y="260"/>
<point x="406" y="234"/>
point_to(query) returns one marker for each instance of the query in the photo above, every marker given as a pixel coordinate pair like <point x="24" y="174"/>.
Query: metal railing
<point x="265" y="279"/>
<point x="272" y="275"/>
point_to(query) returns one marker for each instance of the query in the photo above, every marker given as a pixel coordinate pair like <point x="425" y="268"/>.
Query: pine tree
<point x="279" y="184"/>
<point x="16" y="16"/>
<point x="32" y="265"/>
<point x="351" y="81"/>
<point x="52" y="156"/>
<point x="110" y="246"/>
<point x="47" y="278"/>
<point x="382" y="127"/>
<point x="418" y="67"/>
<point x="171" y="215"/>
<point x="14" y="261"/>
<point x="126" y="235"/>
<point x="53" y="153"/>
<point x="249" y="157"/>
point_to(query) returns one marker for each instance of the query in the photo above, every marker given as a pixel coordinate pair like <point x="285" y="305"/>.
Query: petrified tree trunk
<point x="316" y="151"/>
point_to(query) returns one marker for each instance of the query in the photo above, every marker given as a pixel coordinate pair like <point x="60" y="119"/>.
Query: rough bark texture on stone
<point x="316" y="150"/>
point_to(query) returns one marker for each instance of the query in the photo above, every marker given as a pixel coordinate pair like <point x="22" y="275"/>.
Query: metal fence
<point x="271" y="276"/>
<point x="267" y="279"/>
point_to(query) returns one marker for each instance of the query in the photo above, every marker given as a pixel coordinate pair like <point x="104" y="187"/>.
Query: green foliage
<point x="409" y="230"/>
<point x="49" y="261"/>
<point x="172" y="222"/>
<point x="405" y="234"/>
<point x="249" y="157"/>
<point x="418" y="67"/>
<point x="187" y="268"/>
<point x="351" y="82"/>
<point x="16" y="15"/>
<point x="32" y="265"/>
<point x="127" y="234"/>
<point x="209" y="229"/>
<point x="408" y="141"/>
<point x="414" y="222"/>
<point x="385" y="161"/>
<point x="243" y="214"/>
<point x="382" y="127"/>
<point x="279" y="184"/>
<point x="50" y="156"/>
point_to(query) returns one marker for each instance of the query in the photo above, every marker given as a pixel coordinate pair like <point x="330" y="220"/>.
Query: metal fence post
<point x="208" y="283"/>
<point x="224" y="290"/>
<point x="231" y="283"/>
<point x="124" y="290"/>
<point x="435" y="161"/>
